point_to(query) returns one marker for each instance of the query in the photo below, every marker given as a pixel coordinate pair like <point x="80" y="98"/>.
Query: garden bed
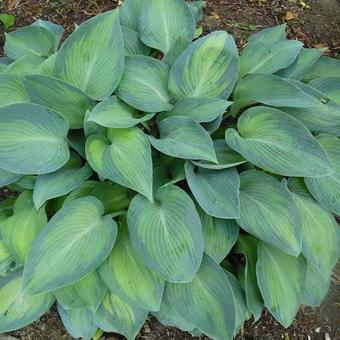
<point x="316" y="26"/>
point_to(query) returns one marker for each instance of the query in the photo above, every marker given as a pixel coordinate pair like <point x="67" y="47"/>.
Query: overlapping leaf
<point x="216" y="191"/>
<point x="114" y="113"/>
<point x="92" y="57"/>
<point x="16" y="309"/>
<point x="144" y="84"/>
<point x="79" y="323"/>
<point x="126" y="275"/>
<point x="219" y="235"/>
<point x="115" y="315"/>
<point x="29" y="41"/>
<point x="123" y="156"/>
<point x="182" y="137"/>
<point x="326" y="189"/>
<point x="20" y="230"/>
<point x="266" y="58"/>
<point x="268" y="212"/>
<point x="247" y="245"/>
<point x="167" y="234"/>
<point x="274" y="141"/>
<point x="281" y="279"/>
<point x="65" y="242"/>
<point x="59" y="183"/>
<point x="194" y="75"/>
<point x="87" y="293"/>
<point x="33" y="135"/>
<point x="163" y="23"/>
<point x="207" y="301"/>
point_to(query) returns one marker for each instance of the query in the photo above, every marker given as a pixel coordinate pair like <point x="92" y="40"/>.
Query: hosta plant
<point x="162" y="173"/>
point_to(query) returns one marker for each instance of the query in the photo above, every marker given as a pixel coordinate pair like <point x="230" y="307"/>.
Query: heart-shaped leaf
<point x="326" y="189"/>
<point x="212" y="77"/>
<point x="216" y="191"/>
<point x="269" y="212"/>
<point x="92" y="57"/>
<point x="88" y="293"/>
<point x="126" y="275"/>
<point x="123" y="156"/>
<point x="182" y="137"/>
<point x="144" y="84"/>
<point x="282" y="293"/>
<point x="65" y="242"/>
<point x="115" y="315"/>
<point x="18" y="310"/>
<point x="219" y="235"/>
<point x="162" y="23"/>
<point x="167" y="234"/>
<point x="274" y="141"/>
<point x="207" y="301"/>
<point x="33" y="135"/>
<point x="114" y="113"/>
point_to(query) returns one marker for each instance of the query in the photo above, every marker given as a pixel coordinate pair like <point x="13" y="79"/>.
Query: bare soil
<point x="317" y="24"/>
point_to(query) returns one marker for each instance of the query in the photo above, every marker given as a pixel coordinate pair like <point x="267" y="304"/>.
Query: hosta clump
<point x="159" y="172"/>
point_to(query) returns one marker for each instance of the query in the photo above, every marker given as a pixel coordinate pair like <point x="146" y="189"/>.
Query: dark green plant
<point x="157" y="174"/>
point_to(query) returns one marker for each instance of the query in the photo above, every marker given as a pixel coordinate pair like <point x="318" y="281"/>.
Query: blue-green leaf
<point x="59" y="183"/>
<point x="18" y="310"/>
<point x="132" y="44"/>
<point x="92" y="57"/>
<point x="79" y="323"/>
<point x="144" y="84"/>
<point x="279" y="143"/>
<point x="199" y="109"/>
<point x="326" y="189"/>
<point x="216" y="191"/>
<point x="281" y="279"/>
<point x="266" y="58"/>
<point x="114" y="113"/>
<point x="123" y="156"/>
<point x="162" y="23"/>
<point x="207" y="301"/>
<point x="29" y="41"/>
<point x="226" y="157"/>
<point x="115" y="315"/>
<point x="33" y="135"/>
<point x="247" y="245"/>
<point x="167" y="234"/>
<point x="59" y="96"/>
<point x="269" y="212"/>
<point x="88" y="293"/>
<point x="219" y="235"/>
<point x="324" y="67"/>
<point x="127" y="276"/>
<point x="65" y="242"/>
<point x="303" y="63"/>
<point x="270" y="35"/>
<point x="182" y="137"/>
<point x="194" y="75"/>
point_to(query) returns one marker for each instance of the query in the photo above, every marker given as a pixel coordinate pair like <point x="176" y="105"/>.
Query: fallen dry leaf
<point x="290" y="15"/>
<point x="12" y="4"/>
